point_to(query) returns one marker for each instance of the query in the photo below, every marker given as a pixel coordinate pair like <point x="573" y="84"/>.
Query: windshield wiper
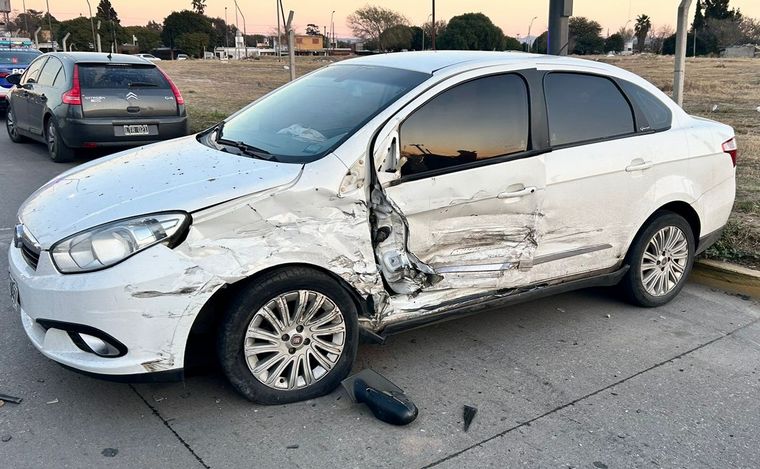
<point x="247" y="149"/>
<point x="142" y="84"/>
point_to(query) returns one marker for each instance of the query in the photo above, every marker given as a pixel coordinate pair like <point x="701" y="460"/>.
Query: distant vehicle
<point x="75" y="100"/>
<point x="182" y="57"/>
<point x="12" y="61"/>
<point x="149" y="57"/>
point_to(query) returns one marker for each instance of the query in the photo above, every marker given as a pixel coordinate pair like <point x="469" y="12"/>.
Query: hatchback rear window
<point x="17" y="57"/>
<point x="101" y="76"/>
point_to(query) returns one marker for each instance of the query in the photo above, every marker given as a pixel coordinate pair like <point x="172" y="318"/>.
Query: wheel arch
<point x="679" y="207"/>
<point x="206" y="323"/>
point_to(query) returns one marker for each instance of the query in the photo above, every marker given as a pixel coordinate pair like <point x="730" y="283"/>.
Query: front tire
<point x="291" y="336"/>
<point x="57" y="148"/>
<point x="660" y="260"/>
<point x="11" y="127"/>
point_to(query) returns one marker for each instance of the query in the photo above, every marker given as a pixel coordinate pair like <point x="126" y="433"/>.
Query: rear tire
<point x="57" y="148"/>
<point x="10" y="126"/>
<point x="660" y="260"/>
<point x="271" y="357"/>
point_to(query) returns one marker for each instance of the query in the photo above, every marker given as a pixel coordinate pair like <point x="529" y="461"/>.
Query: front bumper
<point x="77" y="133"/>
<point x="148" y="303"/>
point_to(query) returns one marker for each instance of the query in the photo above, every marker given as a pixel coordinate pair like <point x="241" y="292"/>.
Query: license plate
<point x="136" y="129"/>
<point x="15" y="299"/>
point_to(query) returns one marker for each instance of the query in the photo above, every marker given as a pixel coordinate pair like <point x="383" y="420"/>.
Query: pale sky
<point x="513" y="16"/>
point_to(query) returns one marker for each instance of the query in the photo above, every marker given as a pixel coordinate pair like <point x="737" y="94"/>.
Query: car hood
<point x="180" y="174"/>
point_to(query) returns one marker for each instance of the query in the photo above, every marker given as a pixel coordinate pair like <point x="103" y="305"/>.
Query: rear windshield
<point x="303" y="121"/>
<point x="99" y="76"/>
<point x="13" y="57"/>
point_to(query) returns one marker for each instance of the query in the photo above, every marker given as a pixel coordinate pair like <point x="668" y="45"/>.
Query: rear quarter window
<point x="657" y="114"/>
<point x="104" y="76"/>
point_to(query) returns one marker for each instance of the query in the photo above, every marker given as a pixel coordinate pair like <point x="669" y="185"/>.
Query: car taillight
<point x="74" y="95"/>
<point x="4" y="74"/>
<point x="177" y="95"/>
<point x="732" y="149"/>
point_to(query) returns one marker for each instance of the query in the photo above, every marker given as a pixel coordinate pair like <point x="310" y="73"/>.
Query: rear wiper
<point x="247" y="149"/>
<point x="142" y="84"/>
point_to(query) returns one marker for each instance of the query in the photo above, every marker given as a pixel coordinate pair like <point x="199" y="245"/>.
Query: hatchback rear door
<point x="125" y="91"/>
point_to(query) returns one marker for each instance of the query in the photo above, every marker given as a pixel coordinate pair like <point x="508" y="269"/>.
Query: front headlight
<point x="109" y="244"/>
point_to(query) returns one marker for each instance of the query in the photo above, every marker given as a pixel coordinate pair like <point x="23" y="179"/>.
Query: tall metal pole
<point x="245" y="44"/>
<point x="679" y="73"/>
<point x="559" y="15"/>
<point x="432" y="27"/>
<point x="530" y="42"/>
<point x="26" y="20"/>
<point x="237" y="30"/>
<point x="332" y="30"/>
<point x="279" y="33"/>
<point x="291" y="45"/>
<point x="226" y="33"/>
<point x="50" y="27"/>
<point x="92" y="25"/>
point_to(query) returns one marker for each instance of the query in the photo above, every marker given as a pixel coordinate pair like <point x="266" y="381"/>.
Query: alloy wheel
<point x="52" y="141"/>
<point x="294" y="340"/>
<point x="664" y="261"/>
<point x="10" y="123"/>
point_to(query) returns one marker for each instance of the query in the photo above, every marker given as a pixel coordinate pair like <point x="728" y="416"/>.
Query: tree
<point x="699" y="18"/>
<point x="193" y="43"/>
<point x="658" y="38"/>
<point x="751" y="29"/>
<point x="718" y="10"/>
<point x="418" y="35"/>
<point x="643" y="25"/>
<point x="31" y="19"/>
<point x="369" y="22"/>
<point x="81" y="34"/>
<point x="614" y="43"/>
<point x="111" y="25"/>
<point x="540" y="44"/>
<point x="397" y="38"/>
<point x="472" y="31"/>
<point x="147" y="38"/>
<point x="511" y="43"/>
<point x="585" y="36"/>
<point x="183" y="22"/>
<point x="155" y="27"/>
<point x="440" y="30"/>
<point x="313" y="30"/>
<point x="199" y="6"/>
<point x="669" y="45"/>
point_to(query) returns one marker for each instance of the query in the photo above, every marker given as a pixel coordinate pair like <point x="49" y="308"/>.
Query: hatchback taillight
<point x="177" y="95"/>
<point x="732" y="149"/>
<point x="74" y="95"/>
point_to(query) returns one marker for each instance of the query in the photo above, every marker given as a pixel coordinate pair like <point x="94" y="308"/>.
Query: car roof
<point x="433" y="61"/>
<point x="99" y="57"/>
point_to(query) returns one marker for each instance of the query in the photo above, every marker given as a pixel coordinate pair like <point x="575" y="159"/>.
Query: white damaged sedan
<point x="368" y="197"/>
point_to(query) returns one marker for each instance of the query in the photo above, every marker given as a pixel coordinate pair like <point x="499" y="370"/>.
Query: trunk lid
<point x="125" y="91"/>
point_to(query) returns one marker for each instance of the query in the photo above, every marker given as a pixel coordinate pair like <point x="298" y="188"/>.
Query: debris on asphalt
<point x="54" y="401"/>
<point x="386" y="400"/>
<point x="291" y="447"/>
<point x="158" y="398"/>
<point x="469" y="415"/>
<point x="6" y="438"/>
<point x="608" y="316"/>
<point x="109" y="452"/>
<point x="2" y="403"/>
<point x="11" y="399"/>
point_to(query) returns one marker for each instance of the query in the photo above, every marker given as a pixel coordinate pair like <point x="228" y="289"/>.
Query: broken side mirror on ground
<point x="386" y="400"/>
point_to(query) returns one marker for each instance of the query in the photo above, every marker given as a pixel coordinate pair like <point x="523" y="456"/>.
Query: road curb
<point x="730" y="277"/>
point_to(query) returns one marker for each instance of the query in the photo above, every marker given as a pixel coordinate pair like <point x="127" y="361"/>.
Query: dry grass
<point x="213" y="90"/>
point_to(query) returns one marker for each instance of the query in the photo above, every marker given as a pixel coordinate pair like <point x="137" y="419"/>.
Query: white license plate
<point x="15" y="299"/>
<point x="136" y="129"/>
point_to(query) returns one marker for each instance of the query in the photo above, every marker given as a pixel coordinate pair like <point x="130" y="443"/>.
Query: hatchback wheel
<point x="57" y="148"/>
<point x="660" y="260"/>
<point x="289" y="337"/>
<point x="10" y="126"/>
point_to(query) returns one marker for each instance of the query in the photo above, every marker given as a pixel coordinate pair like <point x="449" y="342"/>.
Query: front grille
<point x="30" y="254"/>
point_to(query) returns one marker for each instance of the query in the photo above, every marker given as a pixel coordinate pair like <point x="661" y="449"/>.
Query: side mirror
<point x="14" y="79"/>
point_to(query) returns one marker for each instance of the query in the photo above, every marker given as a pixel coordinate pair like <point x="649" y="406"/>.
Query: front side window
<point x="583" y="108"/>
<point x="303" y="121"/>
<point x="33" y="72"/>
<point x="473" y="121"/>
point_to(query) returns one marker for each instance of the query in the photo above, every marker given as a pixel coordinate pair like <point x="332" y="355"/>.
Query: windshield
<point x="14" y="57"/>
<point x="305" y="120"/>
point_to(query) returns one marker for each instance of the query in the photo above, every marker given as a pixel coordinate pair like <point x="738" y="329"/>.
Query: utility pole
<point x="26" y="19"/>
<point x="92" y="26"/>
<point x="50" y="27"/>
<point x="530" y="42"/>
<point x="679" y="72"/>
<point x="226" y="33"/>
<point x="560" y="12"/>
<point x="332" y="30"/>
<point x="291" y="45"/>
<point x="245" y="44"/>
<point x="432" y="26"/>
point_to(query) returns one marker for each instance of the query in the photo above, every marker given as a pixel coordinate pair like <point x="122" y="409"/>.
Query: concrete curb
<point x="730" y="277"/>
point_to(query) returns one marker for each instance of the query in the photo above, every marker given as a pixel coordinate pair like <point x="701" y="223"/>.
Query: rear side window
<point x="103" y="76"/>
<point x="477" y="120"/>
<point x="657" y="114"/>
<point x="49" y="72"/>
<point x="585" y="107"/>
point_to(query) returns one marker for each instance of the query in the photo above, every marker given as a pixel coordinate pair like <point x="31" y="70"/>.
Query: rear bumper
<point x="77" y="133"/>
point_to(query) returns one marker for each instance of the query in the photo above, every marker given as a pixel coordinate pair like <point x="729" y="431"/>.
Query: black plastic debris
<point x="469" y="415"/>
<point x="11" y="399"/>
<point x="386" y="400"/>
<point x="110" y="452"/>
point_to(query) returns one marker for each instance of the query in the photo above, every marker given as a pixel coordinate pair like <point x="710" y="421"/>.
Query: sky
<point x="512" y="16"/>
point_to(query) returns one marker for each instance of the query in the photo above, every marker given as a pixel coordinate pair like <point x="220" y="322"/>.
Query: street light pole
<point x="245" y="44"/>
<point x="50" y="27"/>
<point x="332" y="29"/>
<point x="226" y="33"/>
<point x="92" y="25"/>
<point x="530" y="41"/>
<point x="26" y="20"/>
<point x="432" y="25"/>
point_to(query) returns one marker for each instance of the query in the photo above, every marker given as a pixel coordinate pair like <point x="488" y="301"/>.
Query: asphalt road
<point x="578" y="380"/>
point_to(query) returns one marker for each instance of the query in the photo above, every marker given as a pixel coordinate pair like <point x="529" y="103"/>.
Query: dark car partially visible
<point x="13" y="60"/>
<point x="74" y="100"/>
